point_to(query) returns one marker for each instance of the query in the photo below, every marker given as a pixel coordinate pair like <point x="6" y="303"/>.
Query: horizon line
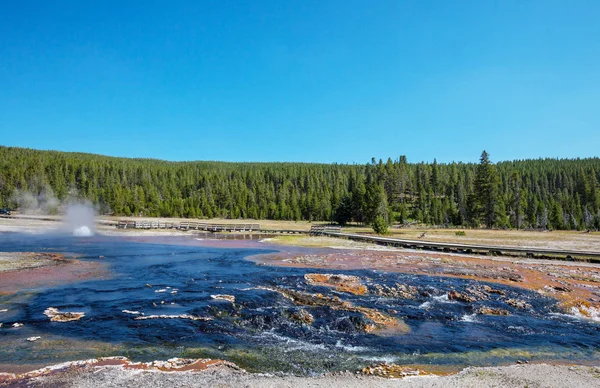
<point x="383" y="160"/>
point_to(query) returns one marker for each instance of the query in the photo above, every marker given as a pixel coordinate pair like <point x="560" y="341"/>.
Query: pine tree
<point x="435" y="177"/>
<point x="485" y="192"/>
<point x="343" y="214"/>
<point x="517" y="200"/>
<point x="380" y="225"/>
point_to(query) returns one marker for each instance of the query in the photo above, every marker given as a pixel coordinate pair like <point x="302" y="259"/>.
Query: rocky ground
<point x="14" y="261"/>
<point x="576" y="285"/>
<point x="227" y="375"/>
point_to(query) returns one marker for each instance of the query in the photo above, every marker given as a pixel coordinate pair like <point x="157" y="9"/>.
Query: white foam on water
<point x="471" y="318"/>
<point x="584" y="312"/>
<point x="32" y="339"/>
<point x="293" y="344"/>
<point x="589" y="314"/>
<point x="350" y="348"/>
<point x="384" y="359"/>
<point x="425" y="306"/>
<point x="442" y="299"/>
<point x="132" y="312"/>
<point x="519" y="329"/>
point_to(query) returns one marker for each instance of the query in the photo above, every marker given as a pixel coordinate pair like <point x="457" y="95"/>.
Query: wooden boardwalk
<point x="188" y="226"/>
<point x="541" y="253"/>
<point x="319" y="230"/>
<point x="283" y="231"/>
<point x="336" y="231"/>
<point x="203" y="226"/>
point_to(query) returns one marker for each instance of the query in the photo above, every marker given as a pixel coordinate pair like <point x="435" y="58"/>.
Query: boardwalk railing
<point x="541" y="253"/>
<point x="208" y="227"/>
<point x="188" y="226"/>
<point x="317" y="230"/>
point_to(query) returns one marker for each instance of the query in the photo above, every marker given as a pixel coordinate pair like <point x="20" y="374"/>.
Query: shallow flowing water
<point x="257" y="331"/>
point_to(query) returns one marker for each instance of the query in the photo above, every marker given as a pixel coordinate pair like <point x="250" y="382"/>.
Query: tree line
<point x="541" y="194"/>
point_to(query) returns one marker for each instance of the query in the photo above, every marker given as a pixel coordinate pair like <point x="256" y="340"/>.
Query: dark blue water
<point x="257" y="331"/>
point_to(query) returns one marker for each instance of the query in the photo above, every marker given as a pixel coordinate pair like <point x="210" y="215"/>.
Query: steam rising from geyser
<point x="80" y="219"/>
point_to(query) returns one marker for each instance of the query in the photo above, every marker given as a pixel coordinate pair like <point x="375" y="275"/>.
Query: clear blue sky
<point x="323" y="81"/>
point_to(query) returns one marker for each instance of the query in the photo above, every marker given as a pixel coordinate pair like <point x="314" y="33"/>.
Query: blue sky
<point x="314" y="81"/>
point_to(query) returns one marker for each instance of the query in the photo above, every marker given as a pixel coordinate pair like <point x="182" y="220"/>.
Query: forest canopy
<point x="541" y="194"/>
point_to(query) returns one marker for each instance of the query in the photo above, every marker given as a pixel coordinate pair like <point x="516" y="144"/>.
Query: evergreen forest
<point x="522" y="194"/>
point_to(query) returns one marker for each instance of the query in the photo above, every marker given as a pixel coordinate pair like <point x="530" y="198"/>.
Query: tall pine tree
<point x="485" y="191"/>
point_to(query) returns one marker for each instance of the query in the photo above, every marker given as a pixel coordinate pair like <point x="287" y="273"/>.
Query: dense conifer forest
<point x="541" y="194"/>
